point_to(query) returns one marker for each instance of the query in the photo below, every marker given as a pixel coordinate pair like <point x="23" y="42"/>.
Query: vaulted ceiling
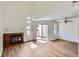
<point x="39" y="9"/>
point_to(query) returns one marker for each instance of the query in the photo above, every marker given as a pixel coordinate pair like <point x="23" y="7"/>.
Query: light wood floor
<point x="40" y="48"/>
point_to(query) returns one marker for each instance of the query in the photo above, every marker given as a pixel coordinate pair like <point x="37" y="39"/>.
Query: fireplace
<point x="12" y="38"/>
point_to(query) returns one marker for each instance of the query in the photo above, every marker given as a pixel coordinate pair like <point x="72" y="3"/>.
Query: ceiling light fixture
<point x="75" y="4"/>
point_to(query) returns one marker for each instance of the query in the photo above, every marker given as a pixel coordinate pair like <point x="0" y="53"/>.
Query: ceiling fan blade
<point x="66" y="18"/>
<point x="71" y="17"/>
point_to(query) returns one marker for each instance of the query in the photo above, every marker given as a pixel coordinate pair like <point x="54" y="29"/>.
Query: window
<point x="28" y="24"/>
<point x="55" y="29"/>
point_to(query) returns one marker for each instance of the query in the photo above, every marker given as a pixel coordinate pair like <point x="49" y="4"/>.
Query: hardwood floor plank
<point x="40" y="48"/>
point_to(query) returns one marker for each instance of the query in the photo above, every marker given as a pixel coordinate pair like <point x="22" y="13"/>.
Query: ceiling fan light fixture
<point x="75" y="4"/>
<point x="65" y="21"/>
<point x="74" y="1"/>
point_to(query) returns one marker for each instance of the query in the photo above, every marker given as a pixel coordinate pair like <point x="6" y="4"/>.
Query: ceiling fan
<point x="68" y="19"/>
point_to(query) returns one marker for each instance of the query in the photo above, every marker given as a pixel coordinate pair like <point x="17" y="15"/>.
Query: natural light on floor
<point x="32" y="45"/>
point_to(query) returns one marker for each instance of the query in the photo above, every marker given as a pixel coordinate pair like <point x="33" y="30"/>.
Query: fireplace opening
<point x="14" y="39"/>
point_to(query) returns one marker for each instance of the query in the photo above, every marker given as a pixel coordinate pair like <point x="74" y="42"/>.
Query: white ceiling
<point x="43" y="10"/>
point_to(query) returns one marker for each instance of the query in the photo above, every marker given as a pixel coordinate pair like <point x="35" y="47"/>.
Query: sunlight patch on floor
<point x="32" y="45"/>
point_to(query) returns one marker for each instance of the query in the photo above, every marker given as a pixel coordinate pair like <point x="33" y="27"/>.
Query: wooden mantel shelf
<point x="12" y="38"/>
<point x="12" y="32"/>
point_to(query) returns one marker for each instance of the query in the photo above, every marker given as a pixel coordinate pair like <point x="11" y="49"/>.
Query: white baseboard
<point x="68" y="40"/>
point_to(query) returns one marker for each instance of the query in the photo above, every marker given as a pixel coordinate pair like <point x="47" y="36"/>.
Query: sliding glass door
<point x="42" y="31"/>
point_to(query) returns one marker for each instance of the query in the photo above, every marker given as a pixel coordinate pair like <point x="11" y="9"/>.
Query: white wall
<point x="1" y="27"/>
<point x="15" y="16"/>
<point x="69" y="31"/>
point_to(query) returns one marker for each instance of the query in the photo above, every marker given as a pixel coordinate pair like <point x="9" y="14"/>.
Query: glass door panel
<point x="45" y="31"/>
<point x="39" y="32"/>
<point x="42" y="31"/>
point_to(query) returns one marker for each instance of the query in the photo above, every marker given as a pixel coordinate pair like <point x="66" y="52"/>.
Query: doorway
<point x="42" y="31"/>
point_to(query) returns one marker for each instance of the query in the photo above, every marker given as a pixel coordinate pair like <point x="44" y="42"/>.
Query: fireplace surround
<point x="12" y="38"/>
